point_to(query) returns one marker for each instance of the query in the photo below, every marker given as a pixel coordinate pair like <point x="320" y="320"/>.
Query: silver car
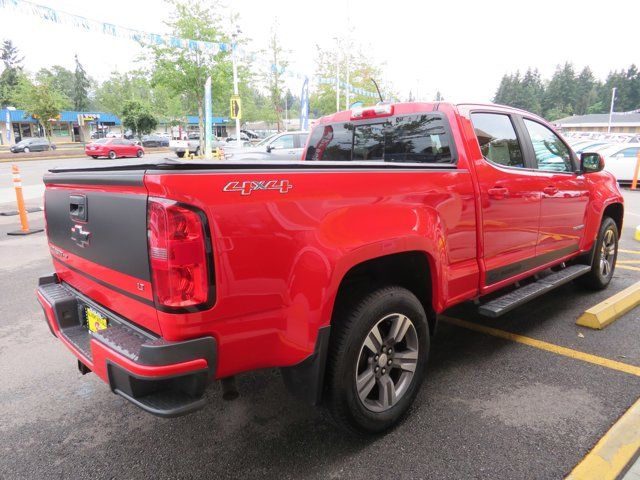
<point x="279" y="146"/>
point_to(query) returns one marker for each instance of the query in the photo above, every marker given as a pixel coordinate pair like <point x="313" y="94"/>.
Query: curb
<point x="614" y="451"/>
<point x="606" y="312"/>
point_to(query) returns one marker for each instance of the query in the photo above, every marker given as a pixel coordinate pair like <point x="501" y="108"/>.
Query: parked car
<point x="243" y="138"/>
<point x="113" y="135"/>
<point x="191" y="146"/>
<point x="280" y="146"/>
<point x="113" y="148"/>
<point x="333" y="268"/>
<point x="620" y="160"/>
<point x="36" y="144"/>
<point x="155" y="141"/>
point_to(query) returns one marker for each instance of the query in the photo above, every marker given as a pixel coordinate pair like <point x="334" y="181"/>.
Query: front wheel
<point x="112" y="155"/>
<point x="377" y="360"/>
<point x="180" y="154"/>
<point x="94" y="156"/>
<point x="26" y="150"/>
<point x="139" y="153"/>
<point x="604" y="257"/>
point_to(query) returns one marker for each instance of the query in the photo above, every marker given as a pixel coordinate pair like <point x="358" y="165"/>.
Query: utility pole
<point x="337" y="74"/>
<point x="613" y="99"/>
<point x="234" y="43"/>
<point x="207" y="119"/>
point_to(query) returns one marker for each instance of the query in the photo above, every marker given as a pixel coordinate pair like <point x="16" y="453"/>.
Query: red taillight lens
<point x="178" y="254"/>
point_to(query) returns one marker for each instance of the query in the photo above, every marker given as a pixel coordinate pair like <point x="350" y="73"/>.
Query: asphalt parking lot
<point x="490" y="408"/>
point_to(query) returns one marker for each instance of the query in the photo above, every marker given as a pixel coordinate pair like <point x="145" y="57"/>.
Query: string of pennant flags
<point x="213" y="48"/>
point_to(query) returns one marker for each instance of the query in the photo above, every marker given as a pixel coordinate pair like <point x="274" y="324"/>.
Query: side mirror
<point x="591" y="162"/>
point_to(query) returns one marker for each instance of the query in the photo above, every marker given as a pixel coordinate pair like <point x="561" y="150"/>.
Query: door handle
<point x="550" y="190"/>
<point x="498" y="192"/>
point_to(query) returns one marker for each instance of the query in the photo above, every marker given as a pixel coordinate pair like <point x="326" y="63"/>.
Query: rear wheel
<point x="197" y="154"/>
<point x="604" y="257"/>
<point x="94" y="156"/>
<point x="112" y="155"/>
<point x="26" y="150"/>
<point x="180" y="154"/>
<point x="377" y="360"/>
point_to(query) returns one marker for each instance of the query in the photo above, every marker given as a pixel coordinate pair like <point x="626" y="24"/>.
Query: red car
<point x="334" y="268"/>
<point x="113" y="148"/>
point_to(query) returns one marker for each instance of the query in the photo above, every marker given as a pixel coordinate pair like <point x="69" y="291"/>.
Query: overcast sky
<point x="461" y="48"/>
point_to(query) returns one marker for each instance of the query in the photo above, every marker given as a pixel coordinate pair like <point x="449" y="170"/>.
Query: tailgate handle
<point x="78" y="207"/>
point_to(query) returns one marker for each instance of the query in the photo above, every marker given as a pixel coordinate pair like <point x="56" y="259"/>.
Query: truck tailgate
<point x="97" y="231"/>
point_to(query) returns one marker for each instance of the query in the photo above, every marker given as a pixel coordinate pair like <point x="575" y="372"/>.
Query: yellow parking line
<point x="549" y="347"/>
<point x="614" y="450"/>
<point x="637" y="252"/>
<point x="627" y="267"/>
<point x="626" y="262"/>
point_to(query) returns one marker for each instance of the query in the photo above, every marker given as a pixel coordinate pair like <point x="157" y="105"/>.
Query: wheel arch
<point x="413" y="270"/>
<point x="616" y="212"/>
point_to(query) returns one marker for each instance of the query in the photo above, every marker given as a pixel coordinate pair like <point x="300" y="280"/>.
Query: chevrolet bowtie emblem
<point x="80" y="236"/>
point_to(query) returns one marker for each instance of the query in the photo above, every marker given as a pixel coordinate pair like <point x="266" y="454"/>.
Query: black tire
<point x="180" y="154"/>
<point x="351" y="327"/>
<point x="26" y="150"/>
<point x="112" y="155"/>
<point x="94" y="156"/>
<point x="598" y="278"/>
<point x="197" y="154"/>
<point x="139" y="153"/>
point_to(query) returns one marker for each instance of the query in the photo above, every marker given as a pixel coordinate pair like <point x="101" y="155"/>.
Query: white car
<point x="620" y="159"/>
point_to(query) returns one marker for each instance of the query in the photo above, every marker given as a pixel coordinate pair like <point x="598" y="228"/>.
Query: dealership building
<point x="628" y="122"/>
<point x="70" y="126"/>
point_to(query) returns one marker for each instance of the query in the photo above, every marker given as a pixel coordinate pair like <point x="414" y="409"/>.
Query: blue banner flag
<point x="304" y="105"/>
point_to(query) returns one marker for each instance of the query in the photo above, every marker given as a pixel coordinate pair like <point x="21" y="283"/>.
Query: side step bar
<point x="522" y="295"/>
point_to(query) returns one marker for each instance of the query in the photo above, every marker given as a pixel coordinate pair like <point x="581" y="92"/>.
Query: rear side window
<point x="420" y="138"/>
<point x="497" y="138"/>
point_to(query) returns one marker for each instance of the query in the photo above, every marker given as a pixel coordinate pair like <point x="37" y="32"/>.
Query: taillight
<point x="178" y="254"/>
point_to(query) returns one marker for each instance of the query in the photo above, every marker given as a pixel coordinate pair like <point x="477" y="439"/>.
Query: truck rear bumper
<point x="164" y="378"/>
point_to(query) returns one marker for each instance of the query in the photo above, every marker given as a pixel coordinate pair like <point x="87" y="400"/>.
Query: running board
<point x="522" y="295"/>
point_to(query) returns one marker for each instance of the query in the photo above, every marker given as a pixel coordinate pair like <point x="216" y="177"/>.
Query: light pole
<point x="234" y="43"/>
<point x="337" y="74"/>
<point x="613" y="99"/>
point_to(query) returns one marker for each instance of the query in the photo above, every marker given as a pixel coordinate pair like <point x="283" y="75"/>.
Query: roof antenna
<point x="379" y="94"/>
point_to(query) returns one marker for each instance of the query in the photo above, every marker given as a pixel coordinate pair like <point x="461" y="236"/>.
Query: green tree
<point x="12" y="74"/>
<point x="137" y="118"/>
<point x="81" y="85"/>
<point x="41" y="101"/>
<point x="279" y="63"/>
<point x="61" y="80"/>
<point x="362" y="70"/>
<point x="560" y="95"/>
<point x="184" y="71"/>
<point x="586" y="91"/>
<point x="113" y="93"/>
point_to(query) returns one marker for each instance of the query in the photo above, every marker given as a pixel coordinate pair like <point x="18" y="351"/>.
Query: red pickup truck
<point x="171" y="275"/>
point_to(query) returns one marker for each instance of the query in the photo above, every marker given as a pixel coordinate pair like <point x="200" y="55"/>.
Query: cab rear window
<point x="416" y="138"/>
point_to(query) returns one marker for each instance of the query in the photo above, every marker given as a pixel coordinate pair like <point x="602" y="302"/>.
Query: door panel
<point x="564" y="194"/>
<point x="510" y="201"/>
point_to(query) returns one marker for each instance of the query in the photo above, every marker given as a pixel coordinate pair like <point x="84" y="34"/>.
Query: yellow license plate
<point x="95" y="321"/>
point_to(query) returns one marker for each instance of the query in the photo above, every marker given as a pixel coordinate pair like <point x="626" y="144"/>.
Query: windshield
<point x="264" y="142"/>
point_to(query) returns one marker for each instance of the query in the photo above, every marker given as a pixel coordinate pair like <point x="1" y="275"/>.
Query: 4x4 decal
<point x="249" y="186"/>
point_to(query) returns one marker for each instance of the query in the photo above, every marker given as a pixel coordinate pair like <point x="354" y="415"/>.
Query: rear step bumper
<point x="164" y="378"/>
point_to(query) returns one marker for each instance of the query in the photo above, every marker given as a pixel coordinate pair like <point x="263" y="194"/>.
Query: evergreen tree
<point x="12" y="73"/>
<point x="586" y="91"/>
<point x="560" y="95"/>
<point x="80" y="88"/>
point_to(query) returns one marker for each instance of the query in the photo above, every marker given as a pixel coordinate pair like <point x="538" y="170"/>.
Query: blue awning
<point x="65" y="116"/>
<point x="193" y="120"/>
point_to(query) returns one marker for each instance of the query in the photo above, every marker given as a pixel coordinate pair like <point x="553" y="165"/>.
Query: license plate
<point x="95" y="321"/>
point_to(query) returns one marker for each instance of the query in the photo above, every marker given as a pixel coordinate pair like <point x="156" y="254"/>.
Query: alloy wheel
<point x="387" y="362"/>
